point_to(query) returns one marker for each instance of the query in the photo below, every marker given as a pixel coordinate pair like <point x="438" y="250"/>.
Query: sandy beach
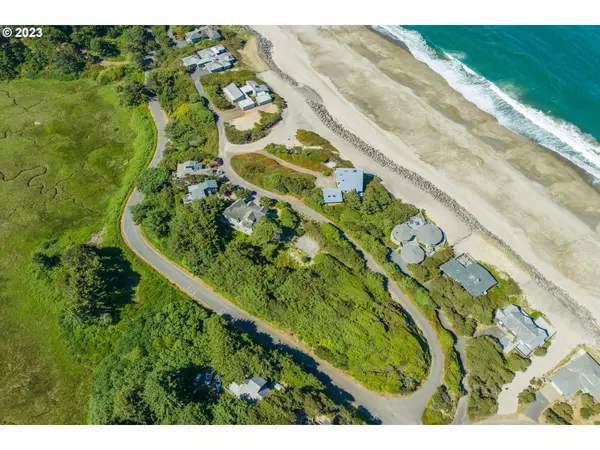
<point x="532" y="199"/>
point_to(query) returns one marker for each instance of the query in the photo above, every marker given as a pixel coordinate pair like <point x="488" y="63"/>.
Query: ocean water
<point x="541" y="82"/>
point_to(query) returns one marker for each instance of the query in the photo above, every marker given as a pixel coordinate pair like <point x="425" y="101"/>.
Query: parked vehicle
<point x="218" y="383"/>
<point x="208" y="377"/>
<point x="219" y="161"/>
<point x="197" y="380"/>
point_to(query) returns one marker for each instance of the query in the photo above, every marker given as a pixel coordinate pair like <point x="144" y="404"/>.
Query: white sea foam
<point x="556" y="134"/>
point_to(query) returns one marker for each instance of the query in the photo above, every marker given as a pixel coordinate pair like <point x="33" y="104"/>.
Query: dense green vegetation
<point x="370" y="219"/>
<point x="561" y="413"/>
<point x="269" y="174"/>
<point x="371" y="338"/>
<point x="193" y="135"/>
<point x="489" y="370"/>
<point x="430" y="267"/>
<point x="313" y="156"/>
<point x="589" y="406"/>
<point x="148" y="379"/>
<point x="152" y="180"/>
<point x="70" y="52"/>
<point x="68" y="155"/>
<point x="527" y="395"/>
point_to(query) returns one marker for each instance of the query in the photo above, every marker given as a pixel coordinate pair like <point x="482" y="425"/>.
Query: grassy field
<point x="269" y="174"/>
<point x="68" y="156"/>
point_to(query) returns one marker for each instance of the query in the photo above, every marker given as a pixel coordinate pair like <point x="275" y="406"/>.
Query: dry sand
<point x="533" y="200"/>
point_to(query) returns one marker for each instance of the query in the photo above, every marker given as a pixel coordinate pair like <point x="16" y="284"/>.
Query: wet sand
<point x="541" y="206"/>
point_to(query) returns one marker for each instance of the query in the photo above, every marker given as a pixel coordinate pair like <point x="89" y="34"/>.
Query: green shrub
<point x="152" y="180"/>
<point x="527" y="395"/>
<point x="268" y="174"/>
<point x="560" y="413"/>
<point x="111" y="74"/>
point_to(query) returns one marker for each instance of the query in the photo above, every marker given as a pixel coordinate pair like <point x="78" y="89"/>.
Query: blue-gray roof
<point x="332" y="196"/>
<point x="528" y="334"/>
<point x="470" y="274"/>
<point x="350" y="179"/>
<point x="581" y="374"/>
<point x="201" y="190"/>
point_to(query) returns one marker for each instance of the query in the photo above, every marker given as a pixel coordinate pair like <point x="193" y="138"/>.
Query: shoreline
<point x="266" y="48"/>
<point x="587" y="177"/>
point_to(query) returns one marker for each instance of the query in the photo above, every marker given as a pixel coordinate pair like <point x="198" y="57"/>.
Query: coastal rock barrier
<point x="266" y="51"/>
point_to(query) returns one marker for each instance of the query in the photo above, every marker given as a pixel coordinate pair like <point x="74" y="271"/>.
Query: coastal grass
<point x="68" y="155"/>
<point x="268" y="174"/>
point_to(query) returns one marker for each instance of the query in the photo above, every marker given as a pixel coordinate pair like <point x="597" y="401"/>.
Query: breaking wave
<point x="556" y="134"/>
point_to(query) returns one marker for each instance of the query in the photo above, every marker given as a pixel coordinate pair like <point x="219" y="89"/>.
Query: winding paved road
<point x="387" y="409"/>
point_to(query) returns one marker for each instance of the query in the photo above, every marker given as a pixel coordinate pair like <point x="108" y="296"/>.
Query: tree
<point x="68" y="60"/>
<point x="527" y="395"/>
<point x="266" y="231"/>
<point x="8" y="62"/>
<point x="152" y="180"/>
<point x="194" y="233"/>
<point x="243" y="193"/>
<point x="226" y="189"/>
<point x="560" y="413"/>
<point x="267" y="202"/>
<point x="102" y="48"/>
<point x="85" y="282"/>
<point x="133" y="93"/>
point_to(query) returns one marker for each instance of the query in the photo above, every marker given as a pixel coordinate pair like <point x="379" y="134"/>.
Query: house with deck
<point x="244" y="214"/>
<point x="524" y="333"/>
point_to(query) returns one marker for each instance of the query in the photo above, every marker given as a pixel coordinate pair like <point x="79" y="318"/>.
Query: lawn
<point x="68" y="154"/>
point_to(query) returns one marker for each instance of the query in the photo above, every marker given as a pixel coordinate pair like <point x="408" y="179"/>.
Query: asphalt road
<point x="385" y="409"/>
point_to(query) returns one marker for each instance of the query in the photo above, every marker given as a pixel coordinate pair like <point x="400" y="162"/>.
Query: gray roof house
<point x="233" y="93"/>
<point x="528" y="335"/>
<point x="215" y="58"/>
<point x="332" y="196"/>
<point x="201" y="190"/>
<point x="255" y="88"/>
<point x="189" y="168"/>
<point x="210" y="31"/>
<point x="246" y="104"/>
<point x="262" y="98"/>
<point x="402" y="233"/>
<point x="412" y="254"/>
<point x="253" y="389"/>
<point x="192" y="60"/>
<point x="350" y="179"/>
<point x="581" y="374"/>
<point x="429" y="234"/>
<point x="193" y="36"/>
<point x="243" y="215"/>
<point x="470" y="274"/>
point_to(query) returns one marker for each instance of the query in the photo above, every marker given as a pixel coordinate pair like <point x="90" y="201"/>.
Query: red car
<point x="219" y="161"/>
